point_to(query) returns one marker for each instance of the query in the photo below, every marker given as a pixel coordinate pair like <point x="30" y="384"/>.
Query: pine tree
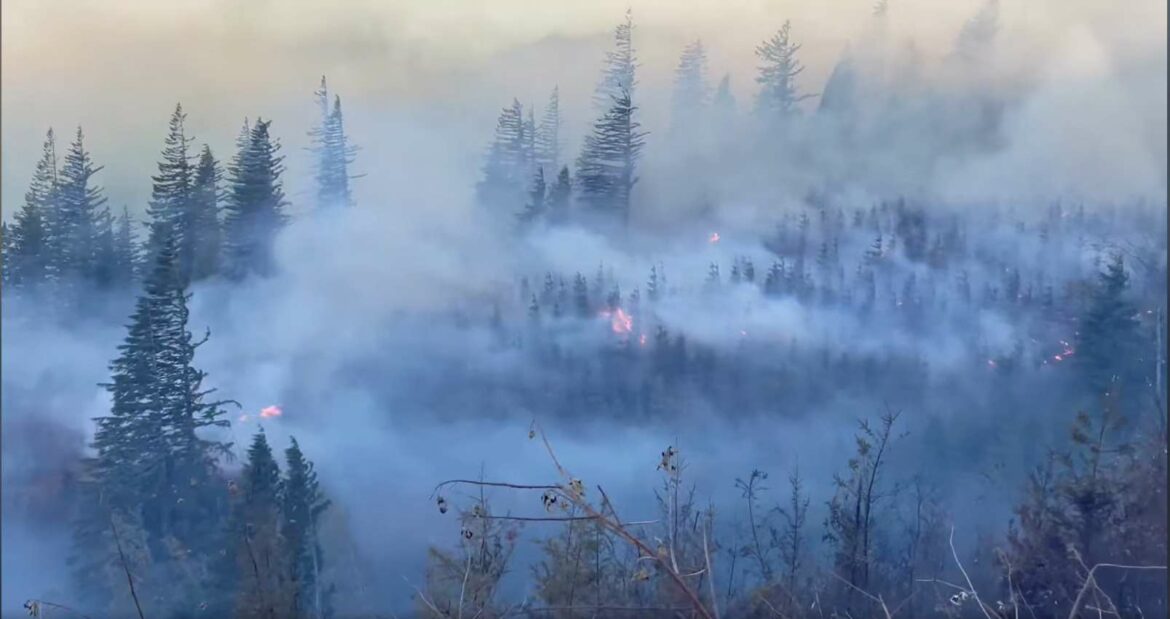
<point x="529" y="131"/>
<point x="105" y="258"/>
<point x="30" y="241"/>
<point x="723" y="102"/>
<point x="1109" y="333"/>
<point x="204" y="217"/>
<point x="535" y="207"/>
<point x="559" y="195"/>
<point x="255" y="206"/>
<point x="5" y="255"/>
<point x="690" y="85"/>
<point x="978" y="32"/>
<point x="171" y="195"/>
<point x="259" y="551"/>
<point x="777" y="79"/>
<point x="841" y="88"/>
<point x="125" y="257"/>
<point x="617" y="77"/>
<point x="302" y="504"/>
<point x="548" y="134"/>
<point x="581" y="296"/>
<point x="653" y="286"/>
<point x="606" y="167"/>
<point x="151" y="465"/>
<point x="332" y="152"/>
<point x="76" y="224"/>
<point x="505" y="172"/>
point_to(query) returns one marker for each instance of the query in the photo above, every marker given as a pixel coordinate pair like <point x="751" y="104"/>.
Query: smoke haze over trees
<point x="880" y="290"/>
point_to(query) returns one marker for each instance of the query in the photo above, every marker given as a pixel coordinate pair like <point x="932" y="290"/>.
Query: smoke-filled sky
<point x="117" y="68"/>
<point x="346" y="337"/>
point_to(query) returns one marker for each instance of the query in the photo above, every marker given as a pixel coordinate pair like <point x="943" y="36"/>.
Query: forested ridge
<point x="991" y="374"/>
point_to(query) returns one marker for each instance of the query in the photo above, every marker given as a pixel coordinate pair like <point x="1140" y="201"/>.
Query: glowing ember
<point x="714" y="238"/>
<point x="271" y="411"/>
<point x="642" y="340"/>
<point x="991" y="363"/>
<point x="619" y="321"/>
<point x="743" y="333"/>
<point x="243" y="417"/>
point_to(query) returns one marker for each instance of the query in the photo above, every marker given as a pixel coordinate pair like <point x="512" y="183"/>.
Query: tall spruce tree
<point x="506" y="171"/>
<point x="29" y="261"/>
<point x="105" y="253"/>
<point x="262" y="589"/>
<point x="169" y="211"/>
<point x="723" y="101"/>
<point x="691" y="92"/>
<point x="606" y="169"/>
<point x="617" y="76"/>
<point x="302" y="504"/>
<point x="778" y="95"/>
<point x="125" y="256"/>
<point x="1109" y="334"/>
<point x="840" y="91"/>
<point x="332" y="152"/>
<point x="5" y="255"/>
<point x="206" y="197"/>
<point x="535" y="207"/>
<point x="559" y="195"/>
<point x="152" y="466"/>
<point x="75" y="227"/>
<point x="254" y="212"/>
<point x="548" y="135"/>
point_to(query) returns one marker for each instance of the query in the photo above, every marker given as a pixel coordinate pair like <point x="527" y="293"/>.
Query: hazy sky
<point x="118" y="67"/>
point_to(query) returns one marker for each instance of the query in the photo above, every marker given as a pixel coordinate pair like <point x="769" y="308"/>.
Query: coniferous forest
<point x="884" y="340"/>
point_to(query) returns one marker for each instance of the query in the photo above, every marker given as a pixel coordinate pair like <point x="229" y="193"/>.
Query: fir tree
<point x="30" y="240"/>
<point x="653" y="286"/>
<point x="204" y="217"/>
<point x="260" y="554"/>
<point x="617" y="78"/>
<point x="777" y="79"/>
<point x="151" y="465"/>
<point x="1108" y="332"/>
<point x="79" y="204"/>
<point x="302" y="504"/>
<point x="723" y="102"/>
<point x="559" y="195"/>
<point x="505" y="171"/>
<point x="840" y="89"/>
<point x="332" y="152"/>
<point x="581" y="296"/>
<point x="978" y="32"/>
<point x="171" y="195"/>
<point x="535" y="207"/>
<point x="5" y="255"/>
<point x="529" y="131"/>
<point x="105" y="257"/>
<point x="125" y="256"/>
<point x="607" y="165"/>
<point x="548" y="134"/>
<point x="690" y="85"/>
<point x="255" y="206"/>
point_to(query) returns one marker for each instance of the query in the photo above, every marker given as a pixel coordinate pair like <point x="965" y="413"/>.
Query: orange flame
<point x="714" y="238"/>
<point x="620" y="321"/>
<point x="271" y="411"/>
